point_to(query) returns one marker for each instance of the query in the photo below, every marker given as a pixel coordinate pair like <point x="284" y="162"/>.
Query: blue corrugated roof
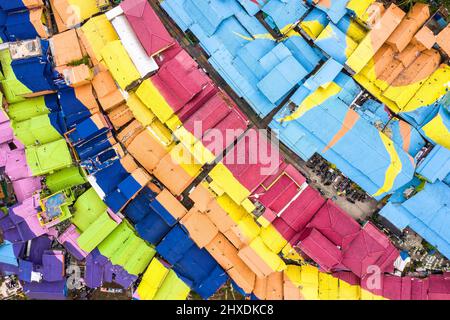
<point x="436" y="165"/>
<point x="427" y="213"/>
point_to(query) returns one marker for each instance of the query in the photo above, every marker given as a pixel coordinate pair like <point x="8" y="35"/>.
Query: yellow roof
<point x="160" y="283"/>
<point x="119" y="64"/>
<point x="95" y="34"/>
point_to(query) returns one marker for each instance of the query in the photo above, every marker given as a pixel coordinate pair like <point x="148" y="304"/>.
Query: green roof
<point x="96" y="232"/>
<point x="123" y="247"/>
<point x="172" y="288"/>
<point x="37" y="130"/>
<point x="117" y="238"/>
<point x="49" y="157"/>
<point x="64" y="179"/>
<point x="88" y="208"/>
<point x="12" y="87"/>
<point x="28" y="109"/>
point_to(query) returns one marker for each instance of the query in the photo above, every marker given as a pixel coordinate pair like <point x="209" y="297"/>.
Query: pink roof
<point x="302" y="210"/>
<point x="285" y="230"/>
<point x="6" y="132"/>
<point x="28" y="212"/>
<point x="348" y="277"/>
<point x="279" y="189"/>
<point x="179" y="80"/>
<point x="167" y="55"/>
<point x="335" y="224"/>
<point x="419" y="289"/>
<point x="245" y="163"/>
<point x="146" y="24"/>
<point x="316" y="246"/>
<point x="406" y="288"/>
<point x="439" y="287"/>
<point x="24" y="188"/>
<point x="392" y="287"/>
<point x="3" y="116"/>
<point x="4" y="149"/>
<point x="70" y="237"/>
<point x="16" y="165"/>
<point x="370" y="247"/>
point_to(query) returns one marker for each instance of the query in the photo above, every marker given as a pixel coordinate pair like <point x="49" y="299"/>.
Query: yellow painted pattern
<point x="267" y="36"/>
<point x="406" y="98"/>
<point x="312" y="28"/>
<point x="356" y="31"/>
<point x="85" y="8"/>
<point x="432" y="90"/>
<point x="362" y="54"/>
<point x="359" y="7"/>
<point x="394" y="168"/>
<point x="313" y="100"/>
<point x="437" y="131"/>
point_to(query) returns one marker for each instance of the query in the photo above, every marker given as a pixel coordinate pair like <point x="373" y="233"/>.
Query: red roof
<point x="219" y="115"/>
<point x="439" y="287"/>
<point x="348" y="277"/>
<point x="369" y="248"/>
<point x="316" y="246"/>
<point x="146" y="24"/>
<point x="392" y="287"/>
<point x="245" y="163"/>
<point x="179" y="80"/>
<point x="302" y="210"/>
<point x="335" y="224"/>
<point x="278" y="190"/>
<point x="419" y="289"/>
<point x="285" y="230"/>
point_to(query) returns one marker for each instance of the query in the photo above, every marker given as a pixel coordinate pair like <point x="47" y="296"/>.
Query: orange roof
<point x="374" y="11"/>
<point x="86" y="96"/>
<point x="36" y="18"/>
<point x="172" y="175"/>
<point x="66" y="48"/>
<point x="33" y="3"/>
<point x="200" y="227"/>
<point x="201" y="197"/>
<point x="120" y="116"/>
<point x="128" y="163"/>
<point x="77" y="76"/>
<point x="443" y="40"/>
<point x="271" y="287"/>
<point x="227" y="257"/>
<point x="405" y="32"/>
<point x="176" y="209"/>
<point x="127" y="134"/>
<point x="255" y="262"/>
<point x="427" y="62"/>
<point x="425" y="38"/>
<point x="146" y="150"/>
<point x="107" y="92"/>
<point x="408" y="55"/>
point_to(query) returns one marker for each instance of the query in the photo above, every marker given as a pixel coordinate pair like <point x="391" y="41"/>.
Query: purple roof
<point x="69" y="240"/>
<point x="53" y="265"/>
<point x="99" y="269"/>
<point x="46" y="290"/>
<point x="38" y="248"/>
